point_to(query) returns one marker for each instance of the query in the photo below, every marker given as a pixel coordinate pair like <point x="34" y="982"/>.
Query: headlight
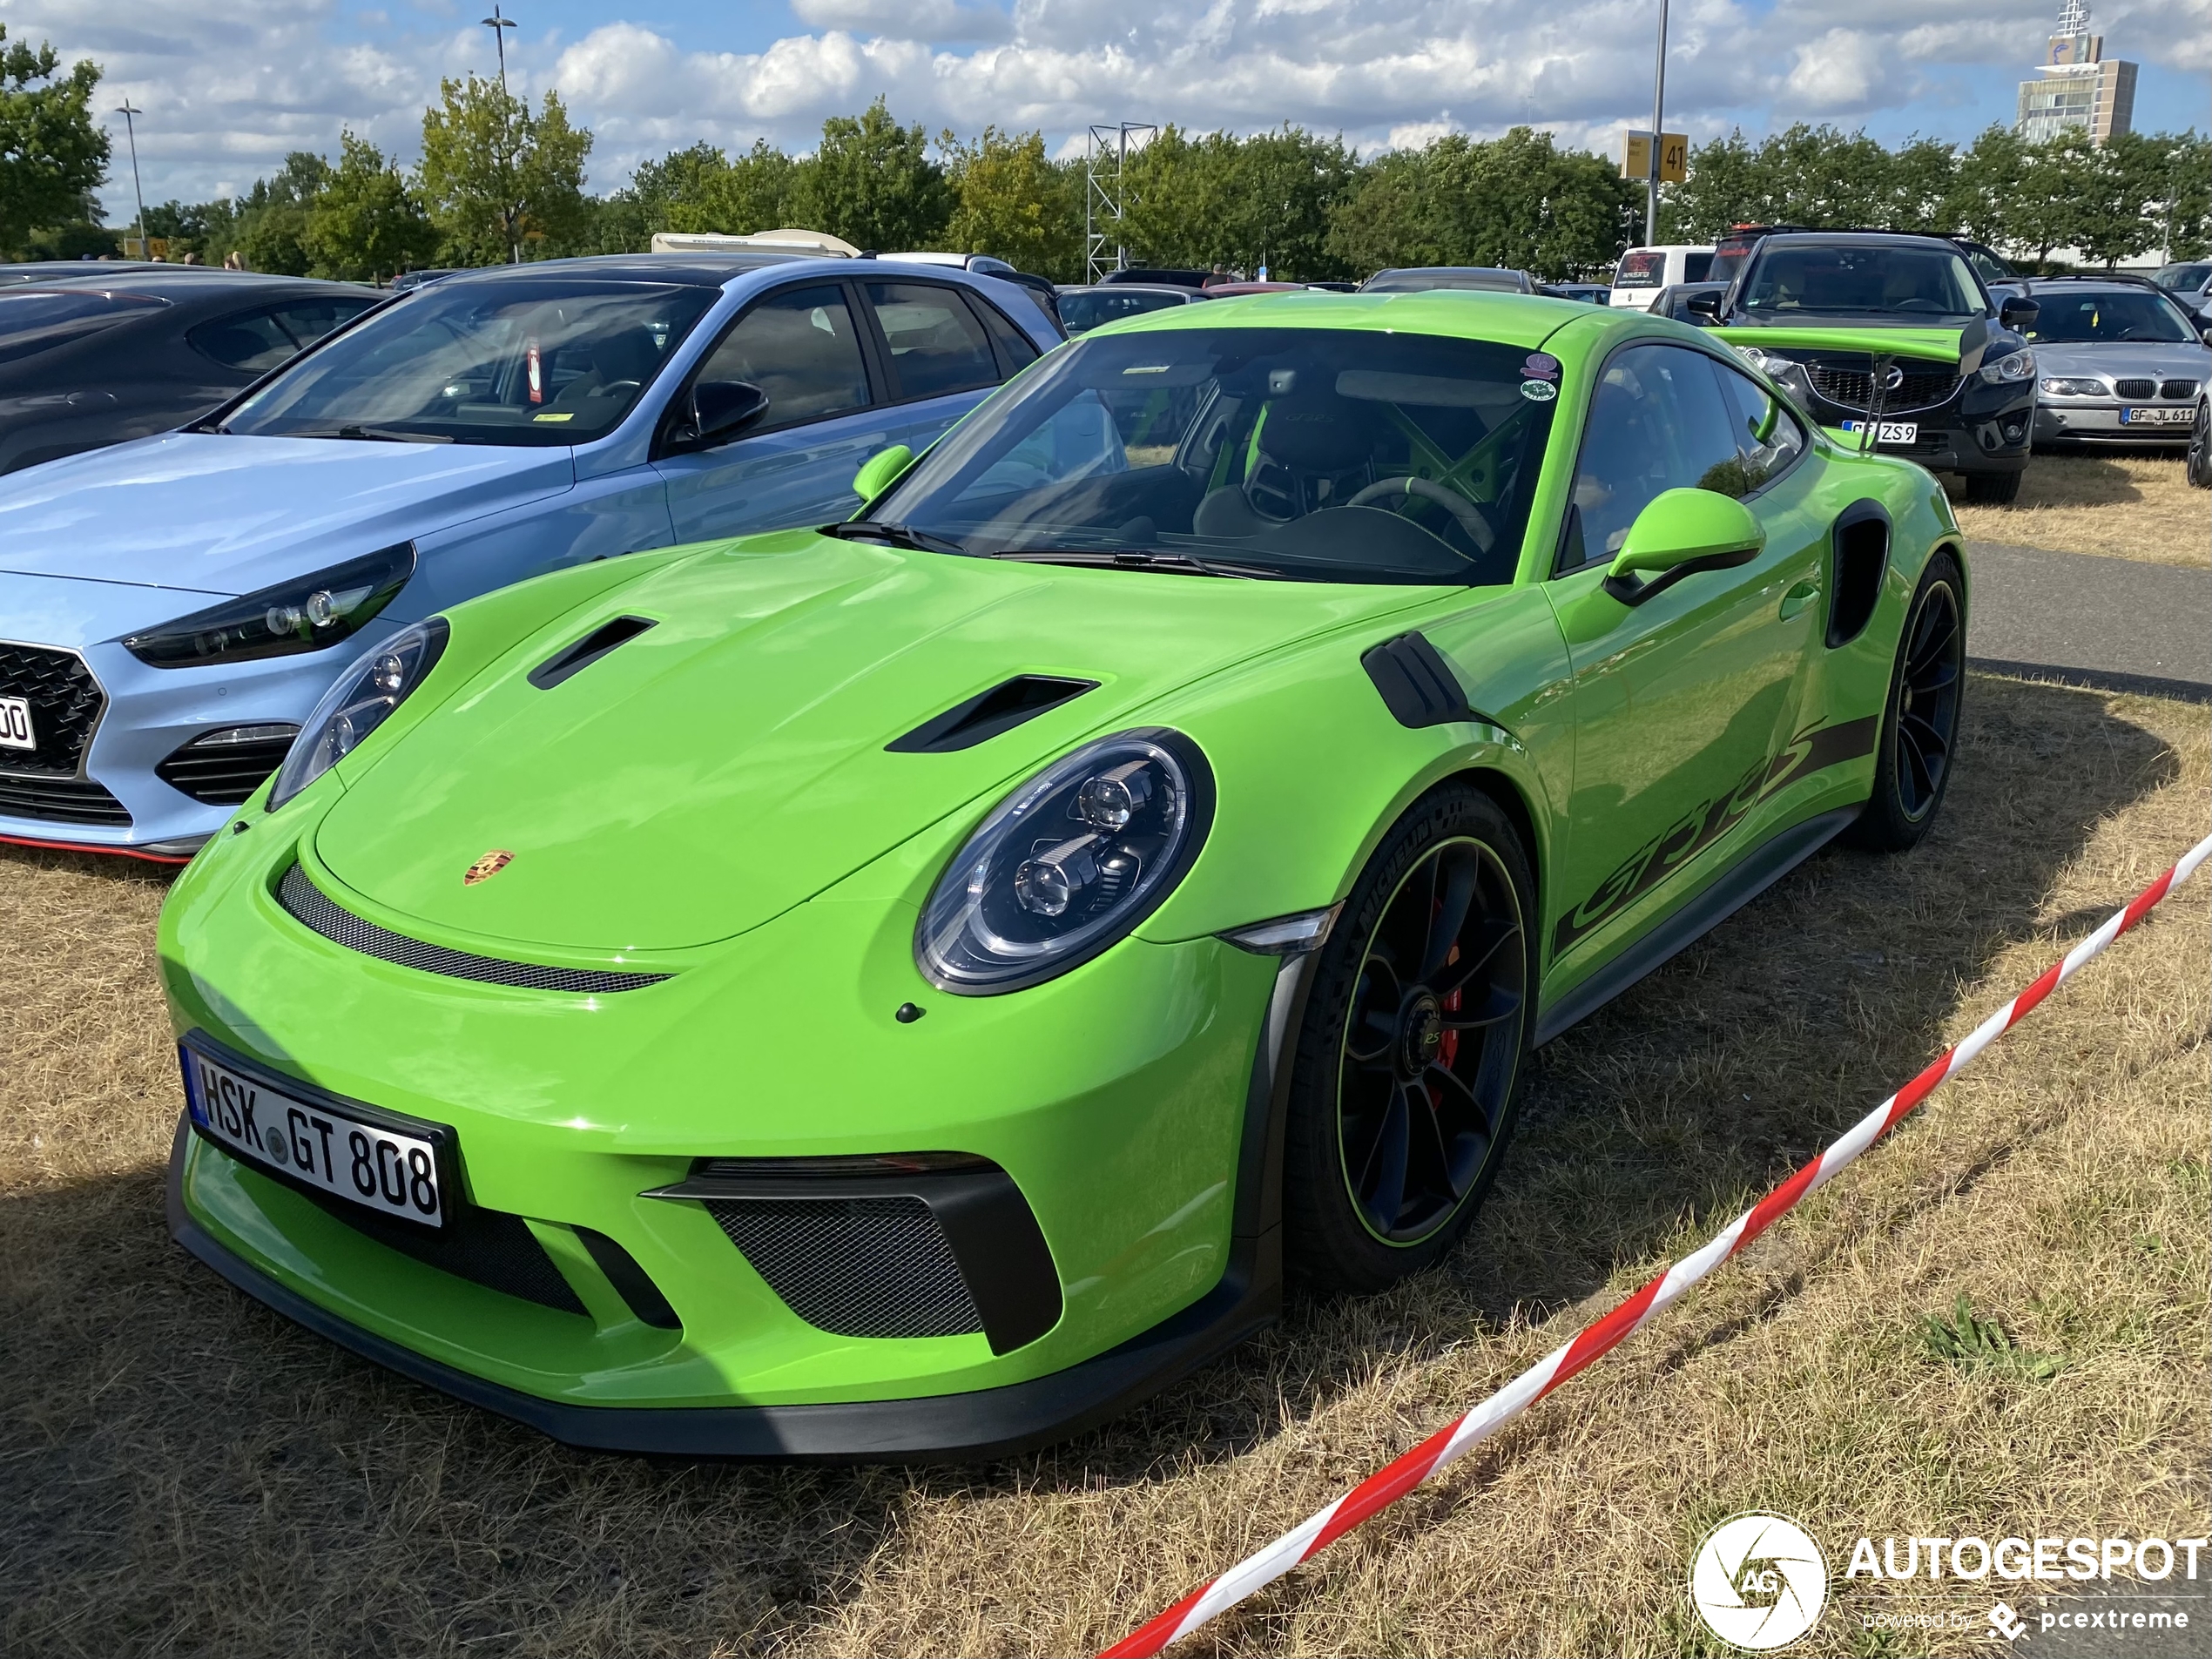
<point x="2063" y="388"/>
<point x="1067" y="865"/>
<point x="309" y="613"/>
<point x="375" y="683"/>
<point x="2012" y="365"/>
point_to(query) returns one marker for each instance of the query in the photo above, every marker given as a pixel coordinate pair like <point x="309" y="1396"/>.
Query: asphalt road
<point x="2117" y="624"/>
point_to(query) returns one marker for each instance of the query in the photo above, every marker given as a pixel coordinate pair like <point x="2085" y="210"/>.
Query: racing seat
<point x="622" y="361"/>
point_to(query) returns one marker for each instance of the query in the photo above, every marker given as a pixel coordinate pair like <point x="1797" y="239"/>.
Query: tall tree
<point x="2187" y="191"/>
<point x="366" y="222"/>
<point x="1015" y="202"/>
<point x="1984" y="199"/>
<point x="53" y="156"/>
<point x="501" y="181"/>
<point x="872" y="183"/>
<point x="272" y="220"/>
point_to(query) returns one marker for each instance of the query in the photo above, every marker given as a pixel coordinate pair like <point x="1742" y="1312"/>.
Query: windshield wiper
<point x="381" y="435"/>
<point x="1137" y="559"/>
<point x="877" y="530"/>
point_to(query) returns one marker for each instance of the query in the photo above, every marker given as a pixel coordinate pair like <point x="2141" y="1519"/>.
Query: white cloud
<point x="230" y="85"/>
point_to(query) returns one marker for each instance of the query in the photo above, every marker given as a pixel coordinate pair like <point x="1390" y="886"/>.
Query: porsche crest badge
<point x="488" y="866"/>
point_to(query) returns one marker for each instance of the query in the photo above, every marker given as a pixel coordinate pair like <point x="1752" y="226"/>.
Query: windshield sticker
<point x="1538" y="391"/>
<point x="569" y="414"/>
<point x="1540" y="366"/>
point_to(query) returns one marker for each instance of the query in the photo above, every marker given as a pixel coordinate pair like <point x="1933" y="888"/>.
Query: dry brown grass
<point x="181" y="1471"/>
<point x="2124" y="506"/>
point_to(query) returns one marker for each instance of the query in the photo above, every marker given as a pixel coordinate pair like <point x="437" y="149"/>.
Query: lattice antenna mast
<point x="1105" y="193"/>
<point x="2073" y="18"/>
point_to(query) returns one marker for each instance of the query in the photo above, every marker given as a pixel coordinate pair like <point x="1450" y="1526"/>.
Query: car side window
<point x="802" y="347"/>
<point x="937" y="347"/>
<point x="308" y="320"/>
<point x="1657" y="423"/>
<point x="1015" y="351"/>
<point x="1768" y="438"/>
<point x="252" y="343"/>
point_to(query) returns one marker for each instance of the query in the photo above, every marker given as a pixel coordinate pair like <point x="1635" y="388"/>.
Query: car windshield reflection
<point x="1316" y="454"/>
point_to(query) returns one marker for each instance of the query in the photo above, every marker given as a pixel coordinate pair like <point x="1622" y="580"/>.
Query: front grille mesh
<point x="60" y="801"/>
<point x="307" y="905"/>
<point x="2177" y="391"/>
<point x="2135" y="388"/>
<point x="1852" y="386"/>
<point x="65" y="704"/>
<point x="855" y="1266"/>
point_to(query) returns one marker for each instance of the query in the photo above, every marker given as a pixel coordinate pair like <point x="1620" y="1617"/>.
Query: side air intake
<point x="1417" y="684"/>
<point x="607" y="636"/>
<point x="1859" y="551"/>
<point x="1000" y="709"/>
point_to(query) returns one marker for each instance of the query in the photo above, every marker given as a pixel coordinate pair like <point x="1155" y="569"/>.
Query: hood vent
<point x="587" y="650"/>
<point x="1000" y="709"/>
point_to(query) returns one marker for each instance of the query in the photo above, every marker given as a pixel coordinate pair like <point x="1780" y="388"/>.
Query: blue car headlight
<point x="308" y="613"/>
<point x="372" y="685"/>
<point x="1067" y="865"/>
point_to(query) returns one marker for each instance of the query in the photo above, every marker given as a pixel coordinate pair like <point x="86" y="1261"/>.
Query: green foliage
<point x="872" y="183"/>
<point x="699" y="189"/>
<point x="366" y="222"/>
<point x="1972" y="1343"/>
<point x="53" y="155"/>
<point x="1015" y="202"/>
<point x="500" y="181"/>
<point x="271" y="227"/>
<point x="1216" y="200"/>
<point x="1518" y="201"/>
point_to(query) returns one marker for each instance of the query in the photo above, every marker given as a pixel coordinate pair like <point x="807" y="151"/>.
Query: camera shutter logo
<point x="1758" y="1581"/>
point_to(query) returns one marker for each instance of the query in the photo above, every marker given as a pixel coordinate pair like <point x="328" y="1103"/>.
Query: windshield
<point x="1316" y="454"/>
<point x="32" y="323"/>
<point x="1082" y="311"/>
<point x="2085" y="319"/>
<point x="1913" y="283"/>
<point x="526" y="360"/>
<point x="2183" y="276"/>
<point x="1640" y="270"/>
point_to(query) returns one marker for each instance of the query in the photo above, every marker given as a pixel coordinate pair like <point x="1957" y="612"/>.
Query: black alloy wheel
<point x="1414" y="1047"/>
<point x="1919" y="737"/>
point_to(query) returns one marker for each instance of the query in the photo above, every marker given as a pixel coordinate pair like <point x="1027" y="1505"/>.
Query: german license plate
<point x="2156" y="417"/>
<point x="377" y="1167"/>
<point x="1891" y="432"/>
<point x="14" y="724"/>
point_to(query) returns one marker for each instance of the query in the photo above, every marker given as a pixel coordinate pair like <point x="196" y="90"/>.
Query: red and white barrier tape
<point x="1384" y="1488"/>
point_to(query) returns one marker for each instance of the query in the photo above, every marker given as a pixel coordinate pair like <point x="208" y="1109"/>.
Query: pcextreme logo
<point x="1758" y="1581"/>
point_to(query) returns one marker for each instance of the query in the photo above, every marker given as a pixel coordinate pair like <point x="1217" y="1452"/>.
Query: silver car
<point x="2192" y="285"/>
<point x="2116" y="361"/>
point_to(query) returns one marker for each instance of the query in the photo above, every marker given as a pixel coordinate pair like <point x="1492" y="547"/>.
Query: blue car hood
<point x="218" y="514"/>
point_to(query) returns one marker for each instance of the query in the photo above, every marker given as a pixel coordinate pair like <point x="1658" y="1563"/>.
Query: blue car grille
<point x="65" y="704"/>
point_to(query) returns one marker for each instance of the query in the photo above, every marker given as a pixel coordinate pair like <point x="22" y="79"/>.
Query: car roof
<point x="700" y="270"/>
<point x="1132" y="287"/>
<point x="192" y="280"/>
<point x="1854" y="238"/>
<point x="1525" y="320"/>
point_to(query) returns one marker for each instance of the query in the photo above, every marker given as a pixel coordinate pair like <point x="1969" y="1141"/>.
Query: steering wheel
<point x="1470" y="515"/>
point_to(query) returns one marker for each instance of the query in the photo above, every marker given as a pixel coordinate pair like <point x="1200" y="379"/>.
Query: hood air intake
<point x="587" y="650"/>
<point x="1000" y="709"/>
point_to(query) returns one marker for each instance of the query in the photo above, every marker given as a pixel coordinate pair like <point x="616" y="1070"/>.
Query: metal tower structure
<point x="1105" y="168"/>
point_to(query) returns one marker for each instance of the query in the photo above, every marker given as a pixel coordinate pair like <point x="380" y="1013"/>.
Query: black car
<point x="1677" y="300"/>
<point x="93" y="360"/>
<point x="1976" y="417"/>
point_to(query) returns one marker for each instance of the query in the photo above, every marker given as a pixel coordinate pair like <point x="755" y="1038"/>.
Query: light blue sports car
<point x="172" y="609"/>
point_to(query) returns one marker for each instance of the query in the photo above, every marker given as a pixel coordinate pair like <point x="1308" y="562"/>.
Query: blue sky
<point x="230" y="85"/>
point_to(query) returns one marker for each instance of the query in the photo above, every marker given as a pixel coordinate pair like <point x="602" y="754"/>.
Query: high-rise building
<point x="2078" y="88"/>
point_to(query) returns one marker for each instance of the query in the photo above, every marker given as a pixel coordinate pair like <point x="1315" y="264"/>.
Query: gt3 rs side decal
<point x="1809" y="751"/>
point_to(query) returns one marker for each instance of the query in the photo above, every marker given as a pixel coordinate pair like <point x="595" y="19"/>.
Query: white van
<point x="1643" y="271"/>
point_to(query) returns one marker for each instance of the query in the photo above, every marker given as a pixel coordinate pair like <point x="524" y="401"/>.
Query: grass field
<point x="183" y="1472"/>
<point x="2133" y="506"/>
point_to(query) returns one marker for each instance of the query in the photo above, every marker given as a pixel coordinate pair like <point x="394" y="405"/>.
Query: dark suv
<point x="1974" y="416"/>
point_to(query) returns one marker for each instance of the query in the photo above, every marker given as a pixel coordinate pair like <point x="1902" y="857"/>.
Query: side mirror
<point x="880" y="471"/>
<point x="1680" y="533"/>
<point x="717" y="412"/>
<point x="2018" y="314"/>
<point x="1704" y="305"/>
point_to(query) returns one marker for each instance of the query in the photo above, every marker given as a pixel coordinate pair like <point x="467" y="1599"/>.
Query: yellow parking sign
<point x="1674" y="156"/>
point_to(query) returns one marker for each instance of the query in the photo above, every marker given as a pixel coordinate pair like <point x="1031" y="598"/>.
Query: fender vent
<point x="1859" y="552"/>
<point x="587" y="650"/>
<point x="1000" y="709"/>
<point x="1418" y="686"/>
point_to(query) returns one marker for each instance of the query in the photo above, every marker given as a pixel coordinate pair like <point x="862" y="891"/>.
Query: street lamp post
<point x="127" y="111"/>
<point x="1658" y="114"/>
<point x="499" y="24"/>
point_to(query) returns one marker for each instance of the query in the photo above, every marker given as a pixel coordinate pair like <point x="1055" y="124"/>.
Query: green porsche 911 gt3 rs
<point x="909" y="988"/>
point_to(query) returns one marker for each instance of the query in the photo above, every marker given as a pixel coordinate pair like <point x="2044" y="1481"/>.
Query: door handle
<point x="1798" y="598"/>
